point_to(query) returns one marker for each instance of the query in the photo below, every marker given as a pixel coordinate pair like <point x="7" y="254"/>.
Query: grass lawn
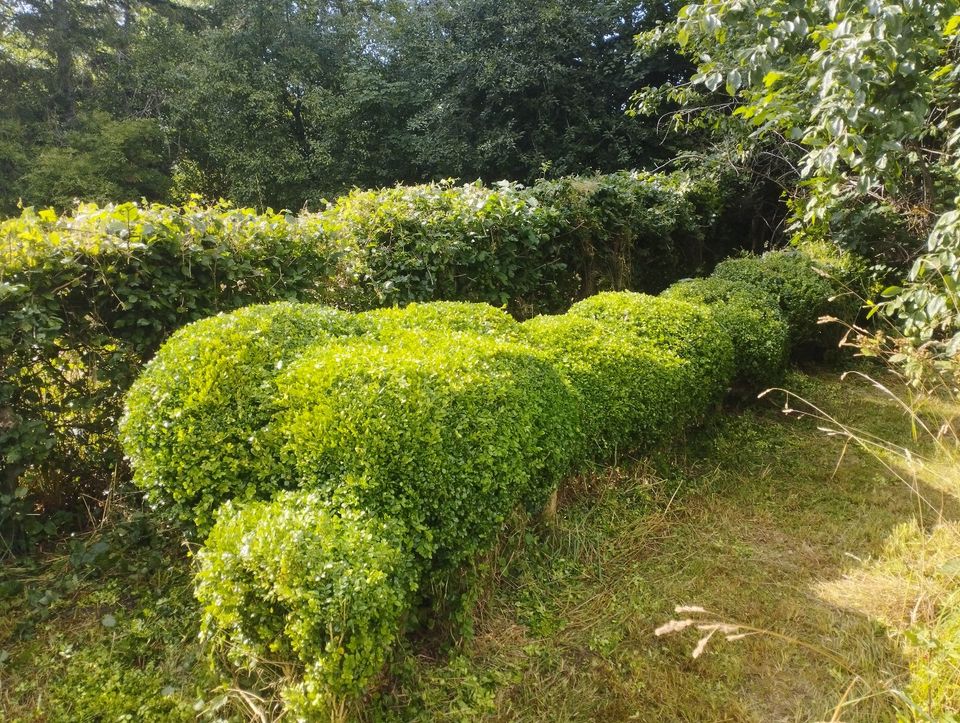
<point x="759" y="518"/>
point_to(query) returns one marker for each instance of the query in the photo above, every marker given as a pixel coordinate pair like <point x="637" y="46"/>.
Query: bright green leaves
<point x="86" y="298"/>
<point x="196" y="428"/>
<point x="343" y="462"/>
<point x="753" y="321"/>
<point x="801" y="293"/>
<point x="299" y="580"/>
<point x="952" y="27"/>
<point x="772" y="77"/>
<point x="868" y="90"/>
<point x="688" y="330"/>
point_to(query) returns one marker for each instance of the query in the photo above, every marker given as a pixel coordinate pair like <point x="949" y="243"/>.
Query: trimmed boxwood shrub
<point x="410" y="435"/>
<point x="446" y="431"/>
<point x="196" y="427"/>
<point x="752" y="318"/>
<point x="627" y="388"/>
<point x="688" y="330"/>
<point x="789" y="277"/>
<point x="297" y="580"/>
<point x="458" y="316"/>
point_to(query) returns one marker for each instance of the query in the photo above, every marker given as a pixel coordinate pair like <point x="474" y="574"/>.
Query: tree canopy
<point x="275" y="103"/>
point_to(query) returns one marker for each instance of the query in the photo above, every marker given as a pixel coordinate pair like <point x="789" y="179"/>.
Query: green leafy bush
<point x="789" y="277"/>
<point x="444" y="242"/>
<point x="446" y="431"/>
<point x="196" y="427"/>
<point x="688" y="330"/>
<point x="753" y="321"/>
<point x="97" y="158"/>
<point x="86" y="298"/>
<point x="535" y="250"/>
<point x="627" y="388"/>
<point x="395" y="443"/>
<point x="457" y="316"/>
<point x="853" y="279"/>
<point x="435" y="435"/>
<point x="297" y="580"/>
<point x="630" y="230"/>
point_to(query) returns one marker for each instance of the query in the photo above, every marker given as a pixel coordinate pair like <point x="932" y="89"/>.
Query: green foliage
<point x="865" y="228"/>
<point x="14" y="159"/>
<point x="438" y="434"/>
<point x="882" y="125"/>
<point x="852" y="279"/>
<point x="395" y="444"/>
<point x="534" y="249"/>
<point x="86" y="298"/>
<point x="104" y="627"/>
<point x="688" y="330"/>
<point x="196" y="428"/>
<point x="446" y="431"/>
<point x="627" y="388"/>
<point x="274" y="104"/>
<point x="753" y="321"/>
<point x="101" y="160"/>
<point x="509" y="89"/>
<point x="928" y="302"/>
<point x="440" y="241"/>
<point x="789" y="277"/>
<point x="442" y="316"/>
<point x="934" y="680"/>
<point x="298" y="580"/>
<point x="632" y="230"/>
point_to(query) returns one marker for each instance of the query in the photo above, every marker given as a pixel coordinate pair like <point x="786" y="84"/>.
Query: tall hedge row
<point x="390" y="450"/>
<point x="86" y="298"/>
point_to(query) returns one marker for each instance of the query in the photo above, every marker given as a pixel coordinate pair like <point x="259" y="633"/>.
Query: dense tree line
<point x="278" y="103"/>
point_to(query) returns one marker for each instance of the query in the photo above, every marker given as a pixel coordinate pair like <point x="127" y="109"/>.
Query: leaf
<point x="108" y="621"/>
<point x="713" y="80"/>
<point x="734" y="80"/>
<point x="952" y="25"/>
<point x="772" y="77"/>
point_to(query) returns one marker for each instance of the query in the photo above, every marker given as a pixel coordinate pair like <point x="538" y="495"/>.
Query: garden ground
<point x="760" y="518"/>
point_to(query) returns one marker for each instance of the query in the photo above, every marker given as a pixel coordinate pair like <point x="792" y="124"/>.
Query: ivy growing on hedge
<point x="359" y="466"/>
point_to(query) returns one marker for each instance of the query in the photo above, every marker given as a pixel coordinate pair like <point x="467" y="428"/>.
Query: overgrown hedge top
<point x="633" y="230"/>
<point x="441" y="241"/>
<point x="136" y="273"/>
